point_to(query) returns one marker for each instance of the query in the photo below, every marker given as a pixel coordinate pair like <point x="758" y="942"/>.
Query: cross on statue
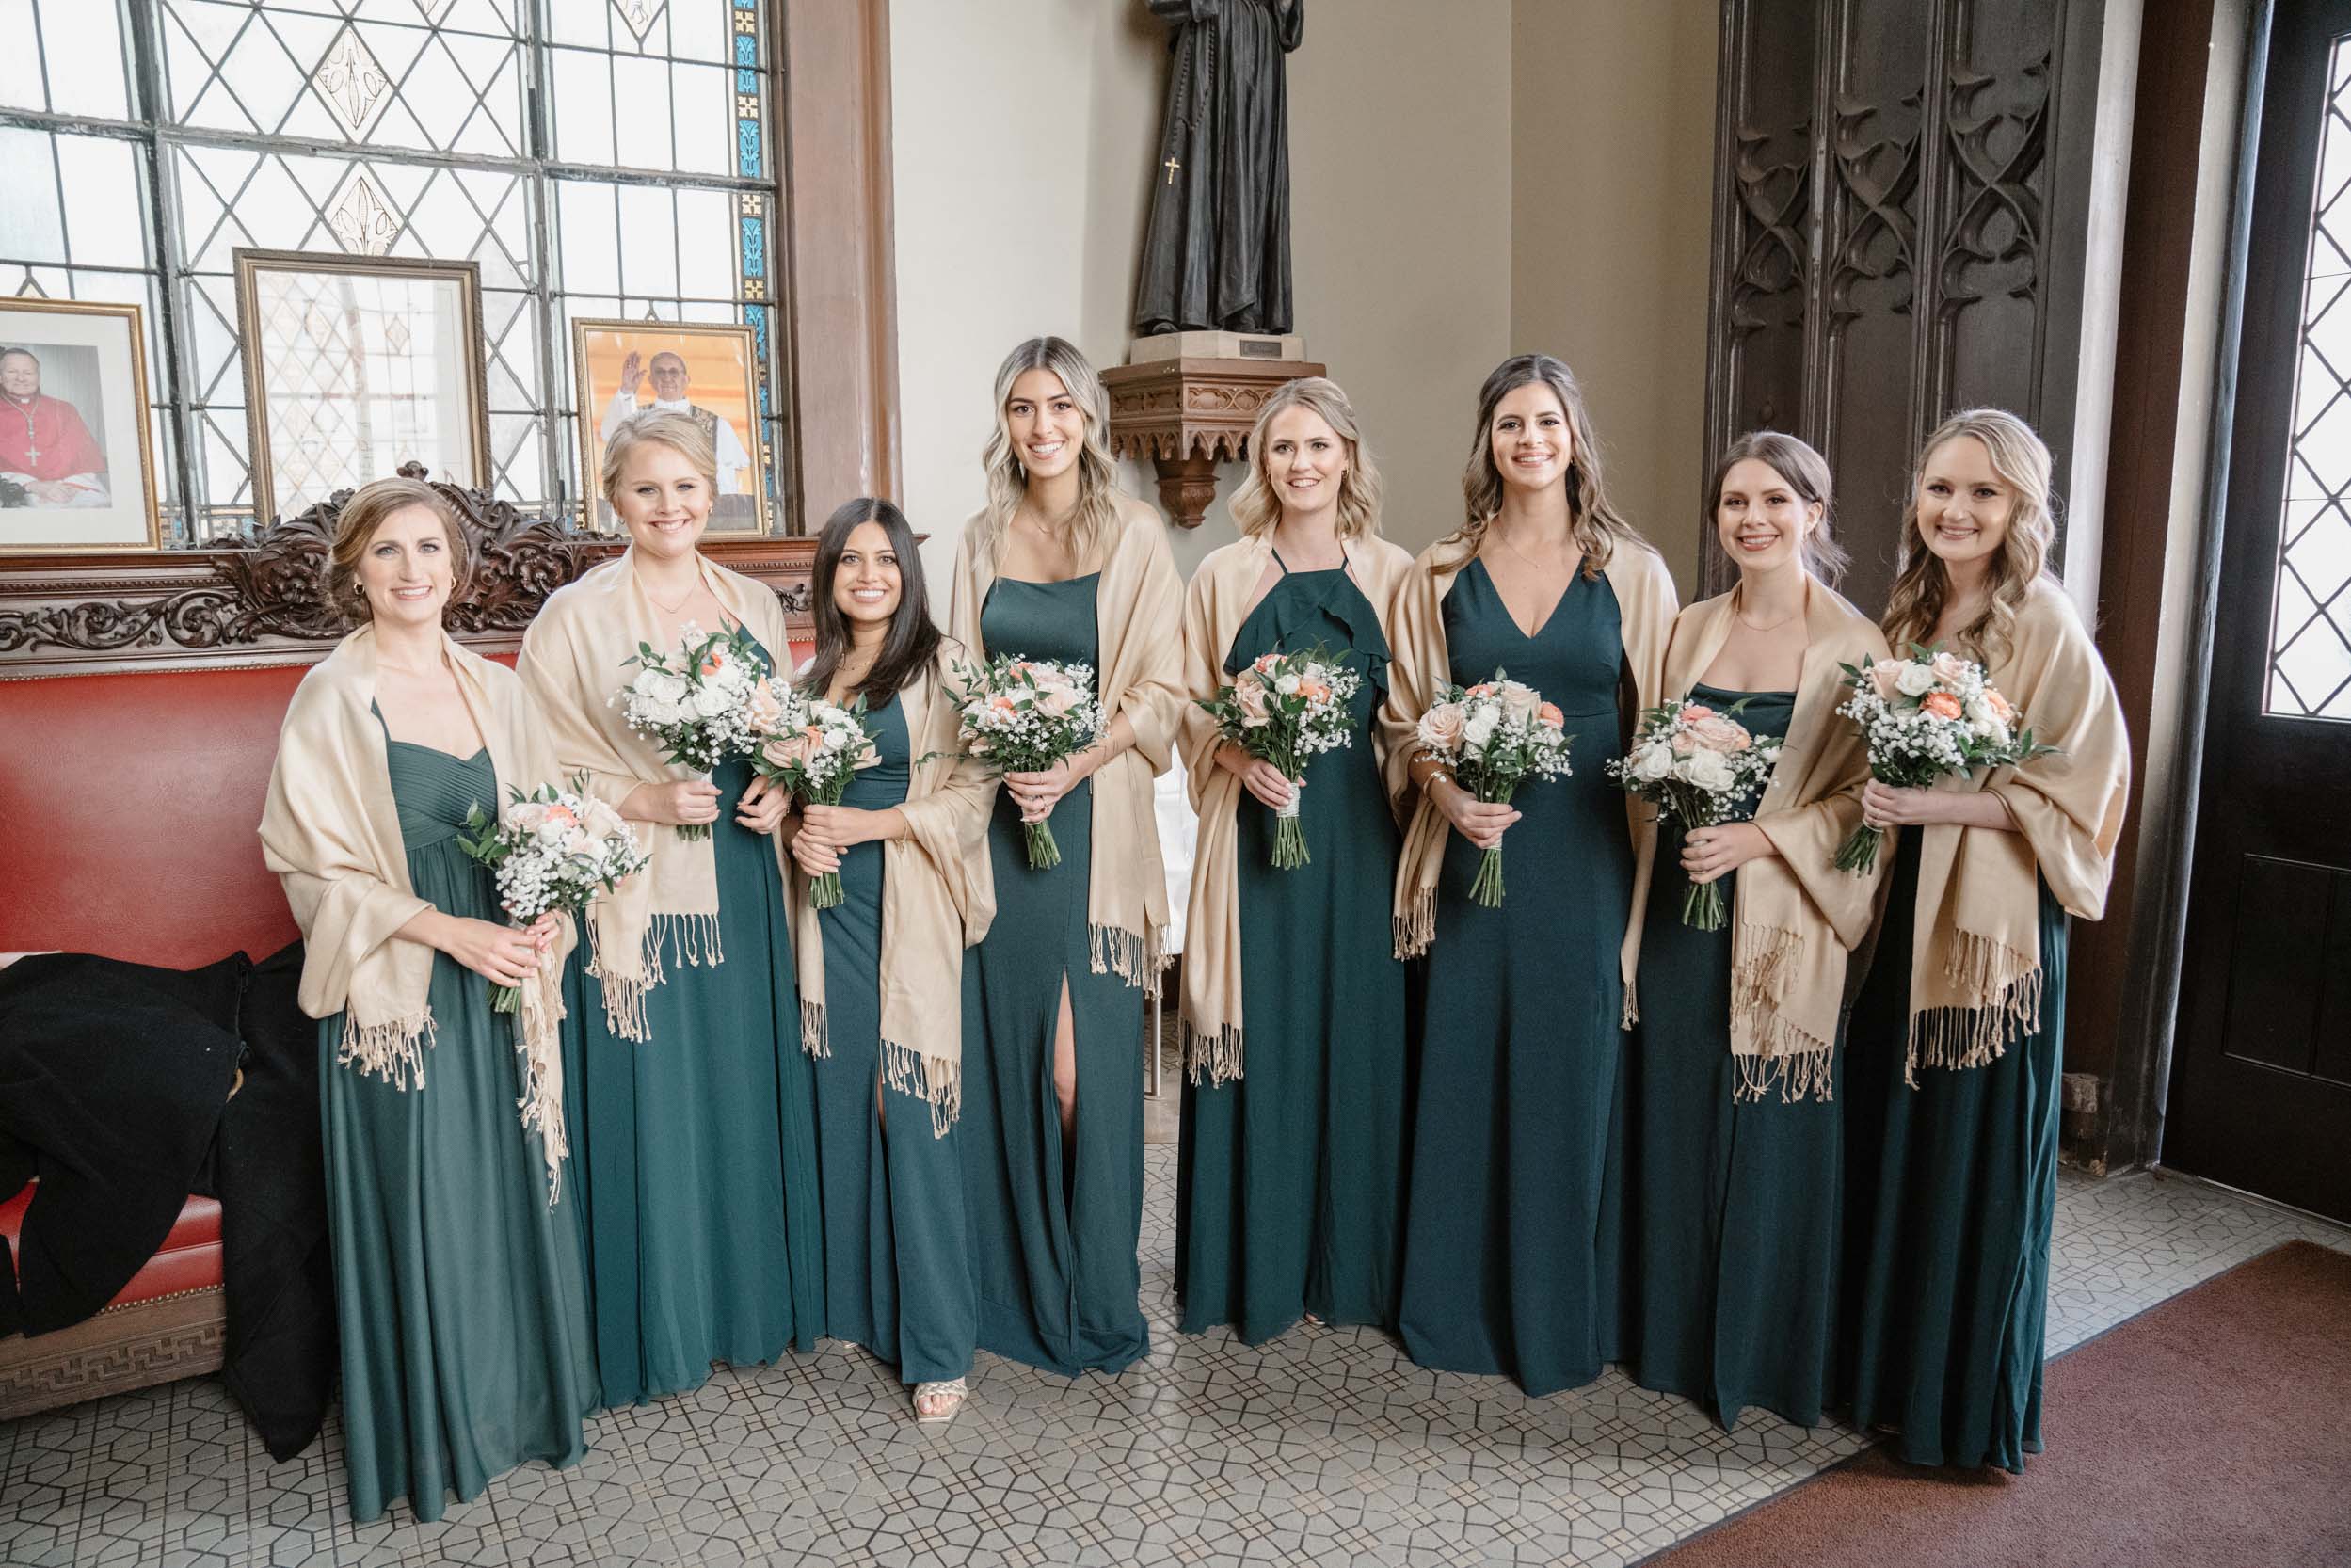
<point x="1171" y="165"/>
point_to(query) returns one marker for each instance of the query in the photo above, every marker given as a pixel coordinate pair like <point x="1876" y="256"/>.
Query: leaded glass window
<point x="597" y="158"/>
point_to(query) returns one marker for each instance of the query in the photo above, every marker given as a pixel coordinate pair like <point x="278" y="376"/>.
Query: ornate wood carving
<point x="263" y="600"/>
<point x="124" y="1348"/>
<point x="1188" y="415"/>
<point x="1891" y="239"/>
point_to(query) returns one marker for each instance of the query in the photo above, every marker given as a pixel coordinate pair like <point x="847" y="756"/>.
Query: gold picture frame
<point x="91" y="356"/>
<point x="710" y="355"/>
<point x="355" y="365"/>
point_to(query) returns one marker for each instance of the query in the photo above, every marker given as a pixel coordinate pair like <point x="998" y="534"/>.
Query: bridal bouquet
<point x="551" y="850"/>
<point x="1926" y="716"/>
<point x="1492" y="736"/>
<point x="818" y="746"/>
<point x="1697" y="766"/>
<point x="1283" y="709"/>
<point x="704" y="702"/>
<point x="1023" y="716"/>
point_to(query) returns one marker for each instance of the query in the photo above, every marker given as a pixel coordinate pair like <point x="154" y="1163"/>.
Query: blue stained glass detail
<point x="754" y="247"/>
<point x="746" y="49"/>
<point x="747" y="149"/>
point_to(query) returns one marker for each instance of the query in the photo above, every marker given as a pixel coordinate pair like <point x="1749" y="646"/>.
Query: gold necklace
<point x="1774" y="626"/>
<point x="1505" y="541"/>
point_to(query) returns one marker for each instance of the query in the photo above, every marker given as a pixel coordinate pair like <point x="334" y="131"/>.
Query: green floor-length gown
<point x="1951" y="1192"/>
<point x="466" y="1347"/>
<point x="897" y="1261"/>
<point x="705" y="1235"/>
<point x="1521" y="1043"/>
<point x="1291" y="1179"/>
<point x="1053" y="1235"/>
<point x="1731" y="1207"/>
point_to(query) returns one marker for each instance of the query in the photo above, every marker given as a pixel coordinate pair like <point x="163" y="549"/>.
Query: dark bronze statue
<point x="1216" y="256"/>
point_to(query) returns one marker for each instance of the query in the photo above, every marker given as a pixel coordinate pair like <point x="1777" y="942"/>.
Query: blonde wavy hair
<point x="370" y="508"/>
<point x="681" y="433"/>
<point x="1599" y="527"/>
<point x="1258" y="506"/>
<point x="1922" y="586"/>
<point x="1097" y="511"/>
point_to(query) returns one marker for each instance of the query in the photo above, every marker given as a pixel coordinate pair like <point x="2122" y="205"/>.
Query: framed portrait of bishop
<point x="77" y="470"/>
<point x="707" y="370"/>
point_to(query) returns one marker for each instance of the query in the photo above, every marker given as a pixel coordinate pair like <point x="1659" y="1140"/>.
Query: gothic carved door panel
<point x="1900" y="207"/>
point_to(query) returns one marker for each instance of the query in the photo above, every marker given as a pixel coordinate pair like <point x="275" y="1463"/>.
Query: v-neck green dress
<point x="706" y="1239"/>
<point x="1520" y="1027"/>
<point x="1731" y="1225"/>
<point x="1054" y="1230"/>
<point x="1290" y="1178"/>
<point x="1951" y="1196"/>
<point x="897" y="1262"/>
<point x="466" y="1347"/>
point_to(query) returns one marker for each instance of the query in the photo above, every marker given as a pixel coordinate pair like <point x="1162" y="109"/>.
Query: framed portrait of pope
<point x="707" y="370"/>
<point x="76" y="469"/>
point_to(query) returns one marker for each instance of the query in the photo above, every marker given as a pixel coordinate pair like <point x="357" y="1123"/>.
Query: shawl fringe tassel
<point x="1134" y="957"/>
<point x="1417" y="927"/>
<point x="393" y="1050"/>
<point x="936" y="1084"/>
<point x="690" y="939"/>
<point x="816" y="1037"/>
<point x="2011" y="985"/>
<point x="538" y="1042"/>
<point x="1216" y="1054"/>
<point x="1794" y="1061"/>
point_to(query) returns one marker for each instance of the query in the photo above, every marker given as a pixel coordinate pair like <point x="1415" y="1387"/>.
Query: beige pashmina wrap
<point x="573" y="662"/>
<point x="1138" y="611"/>
<point x="933" y="907"/>
<point x="1222" y="595"/>
<point x="330" y="829"/>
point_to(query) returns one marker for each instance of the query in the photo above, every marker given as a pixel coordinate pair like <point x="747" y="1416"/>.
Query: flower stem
<point x="1044" y="852"/>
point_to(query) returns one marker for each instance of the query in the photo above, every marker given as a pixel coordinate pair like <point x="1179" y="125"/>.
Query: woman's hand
<point x="1480" y="822"/>
<point x="1036" y="793"/>
<point x="1260" y="777"/>
<point x="1709" y="854"/>
<point x="500" y="955"/>
<point x="1884" y="806"/>
<point x="763" y="807"/>
<point x="680" y="803"/>
<point x="825" y="831"/>
<point x="812" y="855"/>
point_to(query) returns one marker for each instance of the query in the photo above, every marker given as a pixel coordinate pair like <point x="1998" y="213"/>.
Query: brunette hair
<point x="913" y="640"/>
<point x="1922" y="584"/>
<point x="1801" y="469"/>
<point x="681" y="433"/>
<point x="1597" y="525"/>
<point x="1097" y="472"/>
<point x="1258" y="506"/>
<point x="369" y="508"/>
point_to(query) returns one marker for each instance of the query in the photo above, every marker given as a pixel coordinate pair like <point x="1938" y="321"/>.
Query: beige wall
<point x="1022" y="136"/>
<point x="1611" y="180"/>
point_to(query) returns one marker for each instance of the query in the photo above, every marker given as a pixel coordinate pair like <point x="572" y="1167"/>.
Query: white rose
<point x="1481" y="728"/>
<point x="1652" y="763"/>
<point x="1286" y="683"/>
<point x="1518" y="700"/>
<point x="661" y="710"/>
<point x="710" y="701"/>
<point x="1709" y="770"/>
<point x="1989" y="728"/>
<point x="1915" y="681"/>
<point x="662" y="685"/>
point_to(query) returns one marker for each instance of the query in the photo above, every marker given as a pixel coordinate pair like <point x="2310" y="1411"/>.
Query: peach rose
<point x="764" y="711"/>
<point x="1942" y="704"/>
<point x="1950" y="669"/>
<point x="1693" y="712"/>
<point x="1249" y="696"/>
<point x="1548" y="714"/>
<point x="1715" y="733"/>
<point x="1441" y="726"/>
<point x="1313" y="690"/>
<point x="1883" y="675"/>
<point x="2002" y="709"/>
<point x="787" y="751"/>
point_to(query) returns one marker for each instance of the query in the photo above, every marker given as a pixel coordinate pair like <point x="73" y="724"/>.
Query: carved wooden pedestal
<point x="1188" y="415"/>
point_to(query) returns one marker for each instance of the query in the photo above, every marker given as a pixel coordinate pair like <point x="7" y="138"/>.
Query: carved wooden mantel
<point x="264" y="601"/>
<point x="1188" y="415"/>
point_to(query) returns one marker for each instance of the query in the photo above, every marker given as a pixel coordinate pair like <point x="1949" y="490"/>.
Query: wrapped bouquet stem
<point x="1285" y="708"/>
<point x="1492" y="736"/>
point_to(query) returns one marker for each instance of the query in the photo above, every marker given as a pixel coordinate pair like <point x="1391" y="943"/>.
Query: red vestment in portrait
<point x="47" y="438"/>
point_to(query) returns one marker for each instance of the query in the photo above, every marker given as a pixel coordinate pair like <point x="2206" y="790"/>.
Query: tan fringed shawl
<point x="1219" y="598"/>
<point x="573" y="662"/>
<point x="1138" y="611"/>
<point x="933" y="907"/>
<point x="1793" y="915"/>
<point x="1645" y="602"/>
<point x="330" y="829"/>
<point x="1976" y="969"/>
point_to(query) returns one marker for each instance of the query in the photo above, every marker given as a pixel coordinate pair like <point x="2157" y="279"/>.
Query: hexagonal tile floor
<point x="1325" y="1447"/>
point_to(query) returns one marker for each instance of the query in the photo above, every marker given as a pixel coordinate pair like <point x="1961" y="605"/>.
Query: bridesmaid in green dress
<point x="1290" y="1198"/>
<point x="1957" y="1037"/>
<point x="697" y="1107"/>
<point x="880" y="973"/>
<point x="1732" y="1171"/>
<point x="1519" y="1025"/>
<point x="459" y="1294"/>
<point x="1060" y="566"/>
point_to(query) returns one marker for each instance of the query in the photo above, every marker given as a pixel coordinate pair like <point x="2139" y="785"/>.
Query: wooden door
<point x="2261" y="1087"/>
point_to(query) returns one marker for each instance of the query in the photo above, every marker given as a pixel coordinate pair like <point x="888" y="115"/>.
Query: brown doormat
<point x="2214" y="1429"/>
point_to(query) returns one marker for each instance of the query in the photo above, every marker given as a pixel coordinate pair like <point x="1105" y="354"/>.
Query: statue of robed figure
<point x="1216" y="256"/>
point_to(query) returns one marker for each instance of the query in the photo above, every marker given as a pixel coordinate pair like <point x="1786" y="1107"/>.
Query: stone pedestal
<point x="1188" y="415"/>
<point x="1216" y="345"/>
